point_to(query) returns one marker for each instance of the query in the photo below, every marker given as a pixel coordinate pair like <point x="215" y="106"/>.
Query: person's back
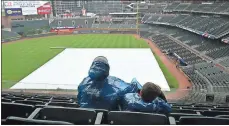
<point x="101" y="91"/>
<point x="151" y="100"/>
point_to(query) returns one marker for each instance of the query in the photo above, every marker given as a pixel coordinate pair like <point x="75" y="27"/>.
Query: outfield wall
<point x="68" y="32"/>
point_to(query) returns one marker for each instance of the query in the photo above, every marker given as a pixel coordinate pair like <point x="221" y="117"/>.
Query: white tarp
<point x="67" y="69"/>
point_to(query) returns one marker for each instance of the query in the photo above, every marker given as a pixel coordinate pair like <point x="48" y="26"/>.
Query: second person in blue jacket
<point x="150" y="99"/>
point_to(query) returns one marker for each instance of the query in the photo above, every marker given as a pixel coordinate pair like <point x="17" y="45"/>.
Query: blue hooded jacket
<point x="134" y="102"/>
<point x="101" y="91"/>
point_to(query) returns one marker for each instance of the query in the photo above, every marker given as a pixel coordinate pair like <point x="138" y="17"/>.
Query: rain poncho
<point x="101" y="91"/>
<point x="134" y="102"/>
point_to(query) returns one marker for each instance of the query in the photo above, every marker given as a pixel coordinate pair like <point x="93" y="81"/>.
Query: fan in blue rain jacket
<point x="101" y="91"/>
<point x="150" y="99"/>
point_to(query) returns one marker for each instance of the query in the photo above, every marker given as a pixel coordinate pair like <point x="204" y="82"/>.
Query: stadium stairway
<point x="49" y="109"/>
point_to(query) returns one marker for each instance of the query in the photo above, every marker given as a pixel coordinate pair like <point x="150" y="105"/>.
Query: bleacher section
<point x="214" y="26"/>
<point x="40" y="109"/>
<point x="165" y="43"/>
<point x="9" y="36"/>
<point x="156" y="8"/>
<point x="107" y="7"/>
<point x="218" y="53"/>
<point x="218" y="78"/>
<point x="205" y="77"/>
<point x="225" y="62"/>
<point x="222" y="8"/>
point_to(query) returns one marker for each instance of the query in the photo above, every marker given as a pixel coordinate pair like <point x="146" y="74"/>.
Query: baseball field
<point x="21" y="58"/>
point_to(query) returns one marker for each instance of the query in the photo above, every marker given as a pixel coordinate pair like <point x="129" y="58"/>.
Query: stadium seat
<point x="183" y="111"/>
<point x="24" y="121"/>
<point x="220" y="109"/>
<point x="6" y="100"/>
<point x="59" y="100"/>
<point x="13" y="98"/>
<point x="222" y="116"/>
<point x="16" y="109"/>
<point x="214" y="113"/>
<point x="72" y="115"/>
<point x="197" y="120"/>
<point x="196" y="108"/>
<point x="136" y="118"/>
<point x="178" y="115"/>
<point x="64" y="104"/>
<point x="30" y="102"/>
<point x="42" y="96"/>
<point x="39" y="99"/>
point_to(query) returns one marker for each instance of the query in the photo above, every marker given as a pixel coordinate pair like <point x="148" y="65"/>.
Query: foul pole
<point x="137" y="27"/>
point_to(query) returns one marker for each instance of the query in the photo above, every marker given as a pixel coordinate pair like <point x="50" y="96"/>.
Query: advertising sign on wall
<point x="44" y="9"/>
<point x="28" y="7"/>
<point x="13" y="11"/>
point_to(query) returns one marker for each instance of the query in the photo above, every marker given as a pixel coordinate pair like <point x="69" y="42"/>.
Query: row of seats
<point x="206" y="76"/>
<point x="225" y="62"/>
<point x="13" y="113"/>
<point x="207" y="24"/>
<point x="198" y="7"/>
<point x="106" y="7"/>
<point x="222" y="52"/>
<point x="216" y="80"/>
<point x="166" y="43"/>
<point x="213" y="48"/>
<point x="9" y="36"/>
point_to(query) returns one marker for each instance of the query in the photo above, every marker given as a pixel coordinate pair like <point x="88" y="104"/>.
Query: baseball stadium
<point x="53" y="52"/>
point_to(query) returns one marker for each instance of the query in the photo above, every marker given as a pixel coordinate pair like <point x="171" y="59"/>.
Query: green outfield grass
<point x="23" y="57"/>
<point x="172" y="81"/>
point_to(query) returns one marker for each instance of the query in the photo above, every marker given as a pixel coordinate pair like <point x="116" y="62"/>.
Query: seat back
<point x="13" y="98"/>
<point x="64" y="104"/>
<point x="24" y="121"/>
<point x="136" y="118"/>
<point x="214" y="113"/>
<point x="222" y="116"/>
<point x="220" y="109"/>
<point x="178" y="115"/>
<point x="72" y="115"/>
<point x="183" y="111"/>
<point x="6" y="100"/>
<point x="30" y="102"/>
<point x="198" y="120"/>
<point x="16" y="109"/>
<point x="39" y="99"/>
